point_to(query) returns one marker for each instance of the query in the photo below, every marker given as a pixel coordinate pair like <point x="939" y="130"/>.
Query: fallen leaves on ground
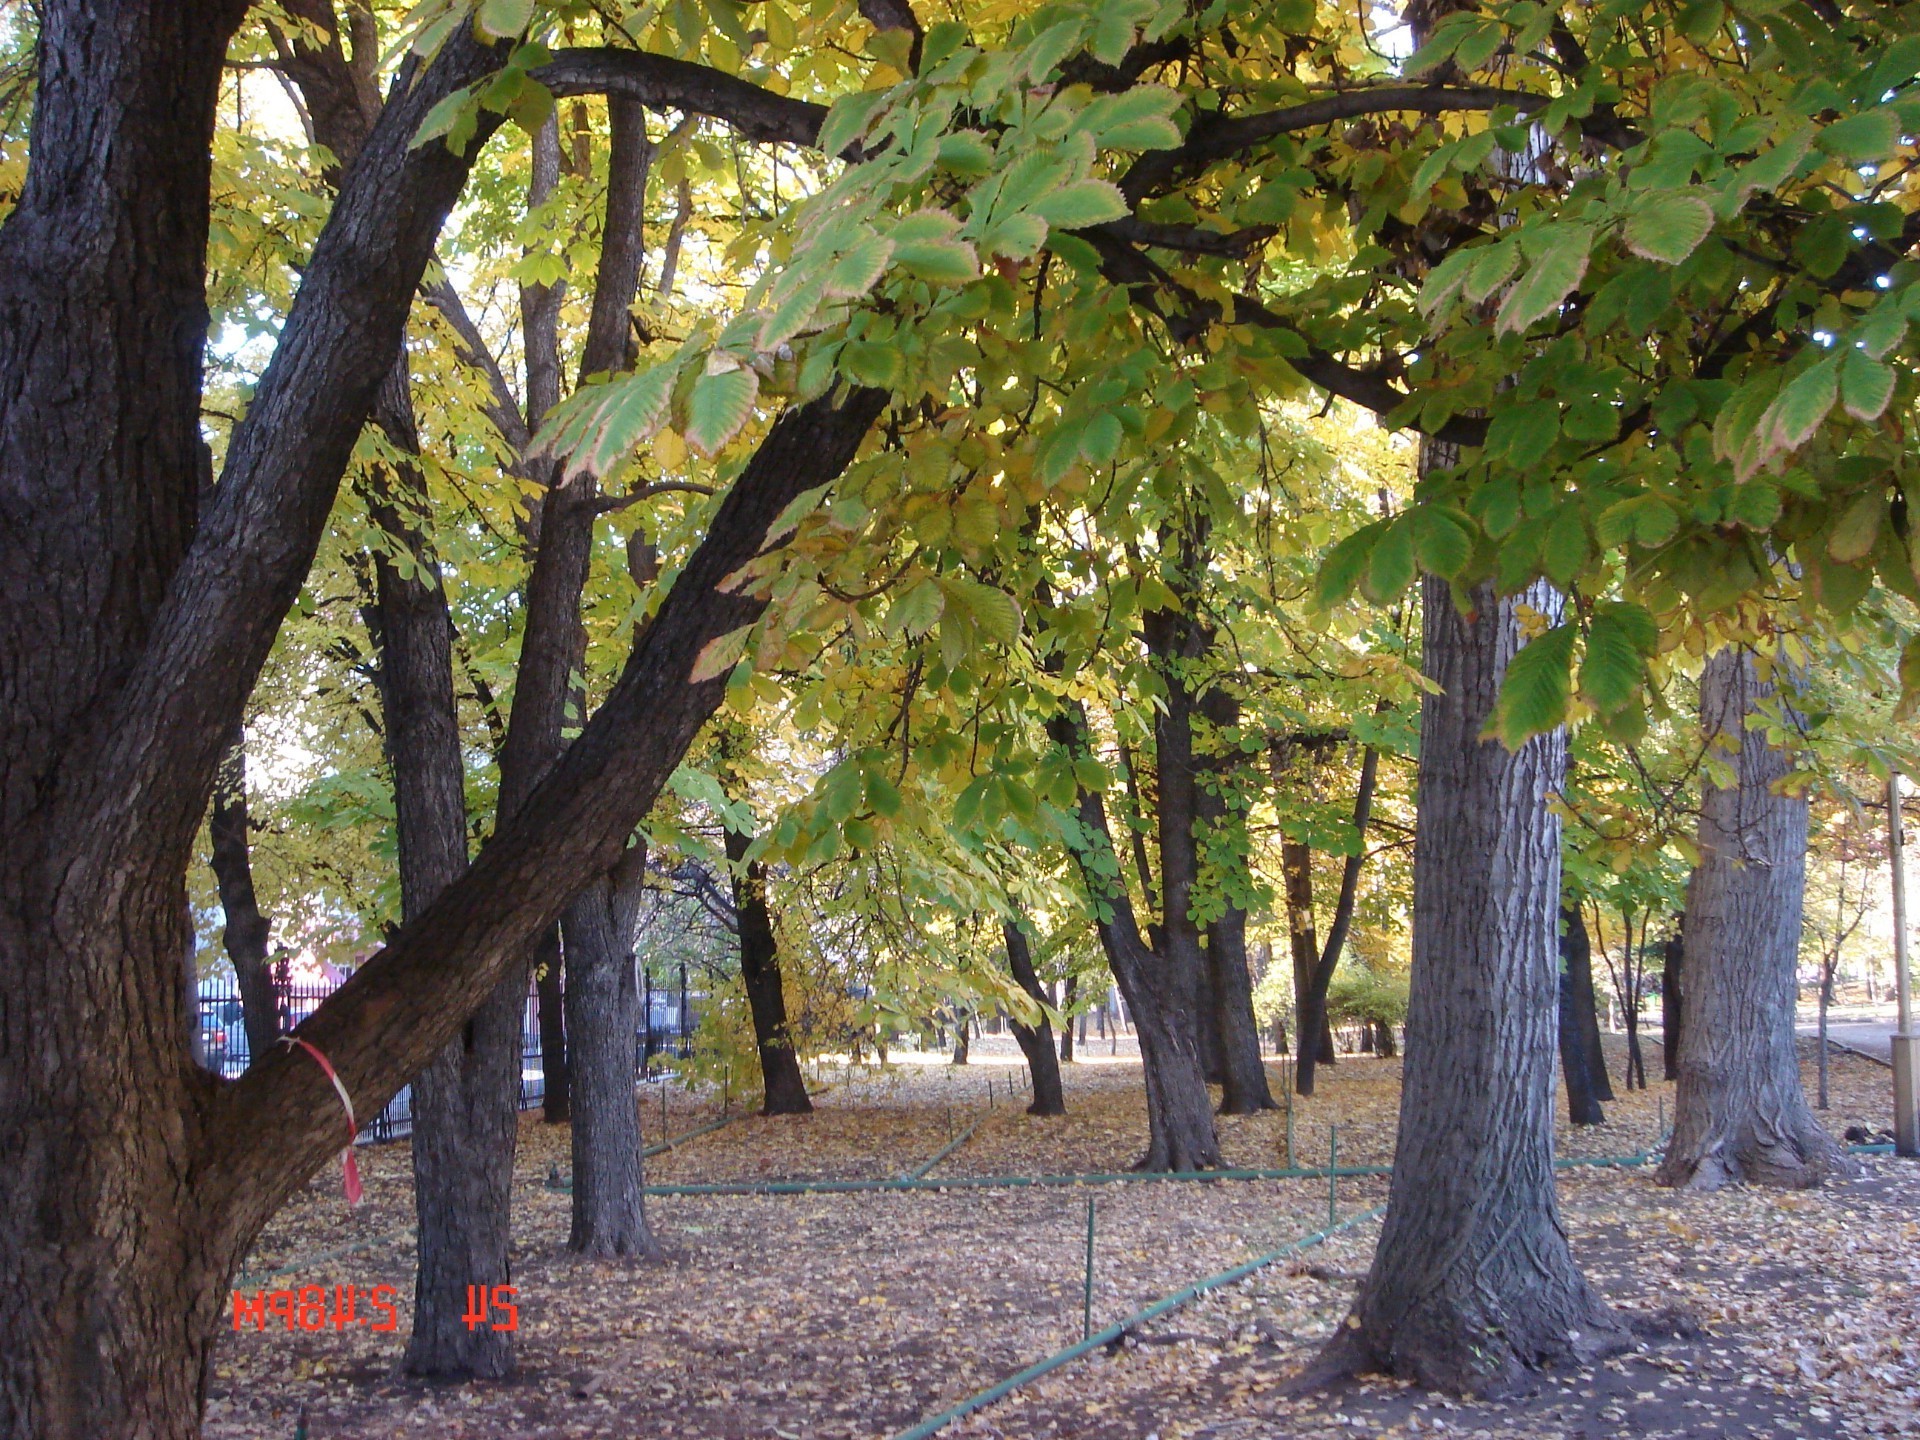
<point x="856" y="1315"/>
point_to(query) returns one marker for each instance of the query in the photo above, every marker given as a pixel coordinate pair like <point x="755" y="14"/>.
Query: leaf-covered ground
<point x="856" y="1315"/>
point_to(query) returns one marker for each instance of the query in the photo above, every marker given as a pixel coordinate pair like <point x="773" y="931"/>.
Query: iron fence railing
<point x="667" y="1025"/>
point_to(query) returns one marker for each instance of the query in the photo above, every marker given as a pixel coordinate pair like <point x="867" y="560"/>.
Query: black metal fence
<point x="667" y="1024"/>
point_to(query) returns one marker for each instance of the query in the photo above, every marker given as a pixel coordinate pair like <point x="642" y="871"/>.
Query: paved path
<point x="1873" y="1036"/>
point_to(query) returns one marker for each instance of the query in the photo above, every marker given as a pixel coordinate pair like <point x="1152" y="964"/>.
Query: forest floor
<point x="857" y="1315"/>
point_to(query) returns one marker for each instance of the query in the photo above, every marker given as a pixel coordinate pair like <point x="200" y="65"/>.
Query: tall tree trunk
<point x="1672" y="1005"/>
<point x="1219" y="809"/>
<point x="785" y="1086"/>
<point x="549" y="994"/>
<point x="1310" y="1020"/>
<point x="464" y="1201"/>
<point x="1576" y="966"/>
<point x="1578" y="953"/>
<point x="1036" y="1041"/>
<point x="1180" y="1131"/>
<point x="1740" y="1112"/>
<point x="1472" y="1284"/>
<point x="1070" y="994"/>
<point x="1313" y="970"/>
<point x="247" y="931"/>
<point x="603" y="1016"/>
<point x="464" y="1101"/>
<point x="1244" y="1091"/>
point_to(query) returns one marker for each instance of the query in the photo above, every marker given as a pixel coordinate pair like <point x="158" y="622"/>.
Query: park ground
<point x="850" y="1316"/>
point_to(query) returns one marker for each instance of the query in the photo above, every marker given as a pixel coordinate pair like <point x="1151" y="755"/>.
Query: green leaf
<point x="720" y="654"/>
<point x="1100" y="441"/>
<point x="870" y="362"/>
<point x="1614" y="665"/>
<point x="1798" y="410"/>
<point x="1857" y="530"/>
<point x="915" y="612"/>
<point x="993" y="610"/>
<point x="1136" y="119"/>
<point x="1441" y="540"/>
<point x="859" y="270"/>
<point x="1083" y="203"/>
<point x="944" y="262"/>
<point x="1559" y="262"/>
<point x="849" y="118"/>
<point x="1537" y="689"/>
<point x="719" y="406"/>
<point x="455" y="116"/>
<point x="1668" y="226"/>
<point x="1340" y="572"/>
<point x="1390" y="571"/>
<point x="966" y="153"/>
<point x="1868" y="136"/>
<point x="1866" y="386"/>
<point x="501" y="19"/>
<point x="1019" y="237"/>
<point x="1523" y="434"/>
<point x="1565" y="552"/>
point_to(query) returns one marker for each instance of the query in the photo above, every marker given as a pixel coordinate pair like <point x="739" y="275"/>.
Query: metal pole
<point x="1086" y="1314"/>
<point x="1906" y="1113"/>
<point x="1333" y="1173"/>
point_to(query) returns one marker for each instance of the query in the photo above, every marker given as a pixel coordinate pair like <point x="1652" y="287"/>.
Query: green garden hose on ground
<point x="1015" y="1182"/>
<point x="1113" y="1332"/>
<point x="944" y="1151"/>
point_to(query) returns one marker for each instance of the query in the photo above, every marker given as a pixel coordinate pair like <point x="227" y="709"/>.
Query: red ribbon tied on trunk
<point x="350" y="1170"/>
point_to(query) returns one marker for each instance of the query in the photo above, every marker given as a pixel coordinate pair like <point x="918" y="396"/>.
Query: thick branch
<point x="281" y="1121"/>
<point x="662" y="83"/>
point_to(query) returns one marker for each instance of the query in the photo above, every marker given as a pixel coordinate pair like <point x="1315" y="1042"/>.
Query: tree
<point x="1036" y="1040"/>
<point x="247" y="934"/>
<point x="1740" y="1112"/>
<point x="1472" y="1283"/>
<point x="784" y="1088"/>
<point x="1581" y="1064"/>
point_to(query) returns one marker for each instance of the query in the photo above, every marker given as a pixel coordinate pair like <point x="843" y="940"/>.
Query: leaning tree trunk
<point x="1739" y="1110"/>
<point x="1036" y="1041"/>
<point x="785" y="1086"/>
<point x="1472" y="1284"/>
<point x="1312" y="1026"/>
<point x="247" y="931"/>
<point x="603" y="1015"/>
<point x="1576" y="963"/>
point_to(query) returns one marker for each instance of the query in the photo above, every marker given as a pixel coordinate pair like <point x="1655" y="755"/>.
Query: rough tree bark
<point x="246" y="936"/>
<point x="134" y="621"/>
<point x="784" y="1086"/>
<point x="1180" y="1131"/>
<point x="1473" y="1284"/>
<point x="1576" y="1060"/>
<point x="603" y="1016"/>
<point x="1036" y="1041"/>
<point x="1313" y="968"/>
<point x="1672" y="1004"/>
<point x="459" y="1244"/>
<point x="1070" y="993"/>
<point x="1739" y="1110"/>
<point x="1220" y="825"/>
